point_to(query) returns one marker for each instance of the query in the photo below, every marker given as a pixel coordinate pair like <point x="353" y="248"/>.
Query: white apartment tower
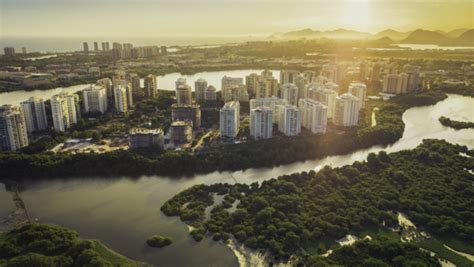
<point x="270" y="102"/>
<point x="347" y="110"/>
<point x="184" y="94"/>
<point x="120" y="99"/>
<point x="359" y="90"/>
<point x="289" y="92"/>
<point x="288" y="76"/>
<point x="230" y="82"/>
<point x="261" y="123"/>
<point x="229" y="120"/>
<point x="13" y="133"/>
<point x="289" y="120"/>
<point x="313" y="115"/>
<point x="63" y="109"/>
<point x="95" y="99"/>
<point x="210" y="94"/>
<point x="35" y="114"/>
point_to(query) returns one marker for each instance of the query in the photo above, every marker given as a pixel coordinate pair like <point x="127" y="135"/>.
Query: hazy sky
<point x="142" y="18"/>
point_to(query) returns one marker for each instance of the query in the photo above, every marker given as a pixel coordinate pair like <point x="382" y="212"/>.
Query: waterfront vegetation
<point x="262" y="153"/>
<point x="44" y="245"/>
<point x="296" y="214"/>
<point x="458" y="125"/>
<point x="158" y="241"/>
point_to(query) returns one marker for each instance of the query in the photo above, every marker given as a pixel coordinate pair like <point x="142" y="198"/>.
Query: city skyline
<point x="147" y="18"/>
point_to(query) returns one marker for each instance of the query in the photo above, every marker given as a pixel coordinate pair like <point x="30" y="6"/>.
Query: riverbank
<point x="458" y="125"/>
<point x="19" y="216"/>
<point x="253" y="154"/>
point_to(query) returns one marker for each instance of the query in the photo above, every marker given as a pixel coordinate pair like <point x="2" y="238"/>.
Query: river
<point x="164" y="82"/>
<point x="124" y="212"/>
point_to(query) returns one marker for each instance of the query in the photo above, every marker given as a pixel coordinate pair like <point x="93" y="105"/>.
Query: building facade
<point x="313" y="115"/>
<point x="185" y="112"/>
<point x="13" y="133"/>
<point x="347" y="110"/>
<point x="142" y="138"/>
<point x="95" y="99"/>
<point x="289" y="120"/>
<point x="261" y="123"/>
<point x="229" y="120"/>
<point x="35" y="114"/>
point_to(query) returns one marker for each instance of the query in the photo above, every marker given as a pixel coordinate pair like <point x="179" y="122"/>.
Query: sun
<point x="356" y="15"/>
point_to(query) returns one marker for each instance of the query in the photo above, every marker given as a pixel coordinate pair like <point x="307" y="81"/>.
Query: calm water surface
<point x="124" y="212"/>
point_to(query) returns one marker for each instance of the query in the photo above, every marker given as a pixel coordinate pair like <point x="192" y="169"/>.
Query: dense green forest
<point x="297" y="214"/>
<point x="458" y="125"/>
<point x="262" y="153"/>
<point x="42" y="245"/>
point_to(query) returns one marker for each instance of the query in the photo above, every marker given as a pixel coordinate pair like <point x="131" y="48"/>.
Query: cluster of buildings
<point x="299" y="100"/>
<point x="126" y="50"/>
<point x="17" y="122"/>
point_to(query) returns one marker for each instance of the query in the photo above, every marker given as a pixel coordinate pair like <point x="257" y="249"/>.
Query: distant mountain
<point x="461" y="37"/>
<point x="334" y="34"/>
<point x="392" y="34"/>
<point x="467" y="38"/>
<point x="456" y="33"/>
<point x="425" y="37"/>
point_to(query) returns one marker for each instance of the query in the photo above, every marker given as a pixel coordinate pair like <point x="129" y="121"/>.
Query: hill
<point x="392" y="34"/>
<point x="425" y="37"/>
<point x="456" y="33"/>
<point x="467" y="38"/>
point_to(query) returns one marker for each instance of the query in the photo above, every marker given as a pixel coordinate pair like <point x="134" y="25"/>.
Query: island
<point x="299" y="217"/>
<point x="45" y="245"/>
<point x="458" y="125"/>
<point x="158" y="241"/>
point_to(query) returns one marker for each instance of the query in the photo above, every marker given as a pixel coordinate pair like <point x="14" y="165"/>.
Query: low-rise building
<point x="181" y="132"/>
<point x="183" y="112"/>
<point x="142" y="138"/>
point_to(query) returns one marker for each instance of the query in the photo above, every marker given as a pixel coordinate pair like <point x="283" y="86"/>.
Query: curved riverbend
<point x="123" y="212"/>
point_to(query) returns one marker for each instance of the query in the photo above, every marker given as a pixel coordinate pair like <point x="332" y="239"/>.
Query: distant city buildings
<point x="289" y="120"/>
<point x="261" y="123"/>
<point x="120" y="99"/>
<point x="64" y="111"/>
<point x="35" y="114"/>
<point x="95" y="99"/>
<point x="105" y="46"/>
<point x="313" y="115"/>
<point x="187" y="112"/>
<point x="151" y="88"/>
<point x="347" y="110"/>
<point x="143" y="138"/>
<point x="85" y="47"/>
<point x="229" y="120"/>
<point x="13" y="129"/>
<point x="9" y="51"/>
<point x="200" y="87"/>
<point x="134" y="80"/>
<point x="183" y="92"/>
<point x="288" y="76"/>
<point x="359" y="90"/>
<point x="96" y="46"/>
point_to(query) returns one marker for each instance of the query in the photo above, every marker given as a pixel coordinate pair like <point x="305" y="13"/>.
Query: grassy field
<point x="113" y="257"/>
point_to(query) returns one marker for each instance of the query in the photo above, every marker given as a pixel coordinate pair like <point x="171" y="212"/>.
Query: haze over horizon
<point x="223" y="18"/>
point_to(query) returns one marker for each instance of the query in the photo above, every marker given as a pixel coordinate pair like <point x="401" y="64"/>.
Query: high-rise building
<point x="200" y="87"/>
<point x="261" y="123"/>
<point x="142" y="138"/>
<point x="107" y="84"/>
<point x="96" y="46"/>
<point x="251" y="83"/>
<point x="363" y="69"/>
<point x="228" y="83"/>
<point x="164" y="50"/>
<point x="64" y="110"/>
<point x="326" y="96"/>
<point x="151" y="89"/>
<point x="181" y="132"/>
<point x="395" y="83"/>
<point x="288" y="76"/>
<point x="127" y="50"/>
<point x="270" y="102"/>
<point x="13" y="133"/>
<point x="95" y="99"/>
<point x="289" y="92"/>
<point x="289" y="120"/>
<point x="23" y="50"/>
<point x="179" y="82"/>
<point x="347" y="110"/>
<point x="267" y="85"/>
<point x="235" y="92"/>
<point x="105" y="46"/>
<point x="310" y="76"/>
<point x="359" y="90"/>
<point x="184" y="94"/>
<point x="116" y="54"/>
<point x="183" y="112"/>
<point x="313" y="115"/>
<point x="334" y="72"/>
<point x="120" y="98"/>
<point x="134" y="80"/>
<point x="85" y="46"/>
<point x="413" y="77"/>
<point x="35" y="114"/>
<point x="301" y="83"/>
<point x="376" y="70"/>
<point x="210" y="94"/>
<point x="9" y="51"/>
<point x="229" y="120"/>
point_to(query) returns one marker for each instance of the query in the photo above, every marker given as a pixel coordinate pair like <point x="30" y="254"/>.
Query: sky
<point x="144" y="18"/>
